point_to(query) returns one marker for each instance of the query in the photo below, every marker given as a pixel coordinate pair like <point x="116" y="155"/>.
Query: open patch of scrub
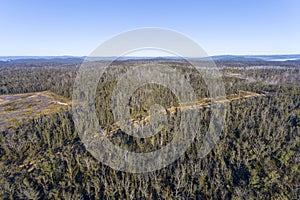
<point x="20" y="107"/>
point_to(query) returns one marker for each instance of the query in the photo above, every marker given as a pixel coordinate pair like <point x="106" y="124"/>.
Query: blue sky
<point x="56" y="27"/>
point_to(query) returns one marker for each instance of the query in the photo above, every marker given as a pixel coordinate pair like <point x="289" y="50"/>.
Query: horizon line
<point x="163" y="56"/>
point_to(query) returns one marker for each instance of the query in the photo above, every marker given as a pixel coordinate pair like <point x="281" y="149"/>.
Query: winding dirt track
<point x="172" y="110"/>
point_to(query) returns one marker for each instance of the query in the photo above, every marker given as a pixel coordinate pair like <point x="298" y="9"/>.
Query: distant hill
<point x="235" y="58"/>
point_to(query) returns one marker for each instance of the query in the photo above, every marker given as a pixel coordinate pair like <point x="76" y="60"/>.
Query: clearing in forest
<point x="17" y="108"/>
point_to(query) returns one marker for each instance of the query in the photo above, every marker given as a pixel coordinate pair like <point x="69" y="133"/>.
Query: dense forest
<point x="257" y="156"/>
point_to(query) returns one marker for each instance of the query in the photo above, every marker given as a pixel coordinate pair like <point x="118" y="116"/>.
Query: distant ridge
<point x="70" y="59"/>
<point x="291" y="57"/>
<point x="21" y="59"/>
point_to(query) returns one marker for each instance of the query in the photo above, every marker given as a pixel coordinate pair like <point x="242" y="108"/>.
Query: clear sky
<point x="57" y="27"/>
